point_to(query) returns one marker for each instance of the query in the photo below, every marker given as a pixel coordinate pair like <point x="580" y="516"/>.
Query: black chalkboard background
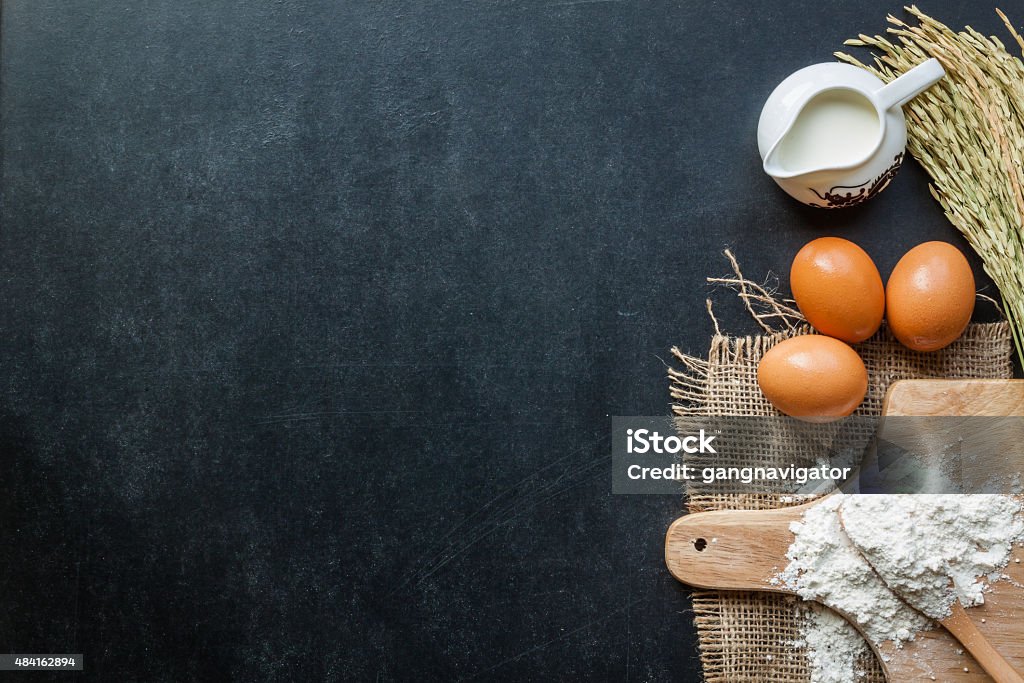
<point x="315" y="315"/>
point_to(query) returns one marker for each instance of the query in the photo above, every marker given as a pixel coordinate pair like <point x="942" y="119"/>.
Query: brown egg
<point x="813" y="378"/>
<point x="838" y="289"/>
<point x="930" y="296"/>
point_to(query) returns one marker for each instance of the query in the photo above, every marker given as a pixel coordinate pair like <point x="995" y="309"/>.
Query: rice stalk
<point x="968" y="134"/>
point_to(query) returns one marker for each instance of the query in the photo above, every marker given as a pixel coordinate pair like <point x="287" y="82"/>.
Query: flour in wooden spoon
<point x="932" y="549"/>
<point x="834" y="648"/>
<point x="824" y="566"/>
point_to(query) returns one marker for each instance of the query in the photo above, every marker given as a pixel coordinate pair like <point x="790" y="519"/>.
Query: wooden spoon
<point x="744" y="549"/>
<point x="963" y="397"/>
<point x="959" y="623"/>
<point x="966" y="631"/>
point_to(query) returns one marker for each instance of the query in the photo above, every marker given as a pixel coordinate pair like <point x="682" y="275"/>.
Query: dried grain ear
<point x="738" y="631"/>
<point x="967" y="132"/>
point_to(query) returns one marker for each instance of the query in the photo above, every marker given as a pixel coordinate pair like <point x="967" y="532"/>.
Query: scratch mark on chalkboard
<point x="520" y="597"/>
<point x="540" y="646"/>
<point x="584" y="2"/>
<point x="78" y="592"/>
<point x="505" y="507"/>
<point x="629" y="635"/>
<point x="298" y="417"/>
<point x="478" y="535"/>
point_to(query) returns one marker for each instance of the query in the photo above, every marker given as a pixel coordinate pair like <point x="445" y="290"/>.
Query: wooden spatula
<point x="744" y="550"/>
<point x="991" y="448"/>
<point x="963" y="397"/>
<point x="959" y="623"/>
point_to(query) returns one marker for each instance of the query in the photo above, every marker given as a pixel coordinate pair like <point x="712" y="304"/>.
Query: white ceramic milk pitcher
<point x="833" y="135"/>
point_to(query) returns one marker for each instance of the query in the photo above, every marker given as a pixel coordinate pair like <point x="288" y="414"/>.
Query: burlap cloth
<point x="749" y="636"/>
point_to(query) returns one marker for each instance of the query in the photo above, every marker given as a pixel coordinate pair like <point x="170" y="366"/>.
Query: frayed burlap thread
<point x="751" y="636"/>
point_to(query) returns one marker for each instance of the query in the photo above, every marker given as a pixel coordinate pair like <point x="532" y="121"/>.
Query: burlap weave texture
<point x="749" y="636"/>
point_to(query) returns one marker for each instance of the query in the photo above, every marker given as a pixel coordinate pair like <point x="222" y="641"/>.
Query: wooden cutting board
<point x="743" y="550"/>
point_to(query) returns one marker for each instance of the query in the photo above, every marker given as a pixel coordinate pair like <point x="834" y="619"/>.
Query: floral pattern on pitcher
<point x="835" y="199"/>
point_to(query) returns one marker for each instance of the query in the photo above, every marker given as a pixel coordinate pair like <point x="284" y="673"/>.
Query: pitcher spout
<point x="835" y="129"/>
<point x="775" y="168"/>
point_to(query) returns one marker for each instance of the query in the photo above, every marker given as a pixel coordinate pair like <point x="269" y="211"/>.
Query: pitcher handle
<point x="911" y="84"/>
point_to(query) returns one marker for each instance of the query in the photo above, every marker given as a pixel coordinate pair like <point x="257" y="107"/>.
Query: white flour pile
<point x="833" y="646"/>
<point x="824" y="566"/>
<point x="933" y="549"/>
